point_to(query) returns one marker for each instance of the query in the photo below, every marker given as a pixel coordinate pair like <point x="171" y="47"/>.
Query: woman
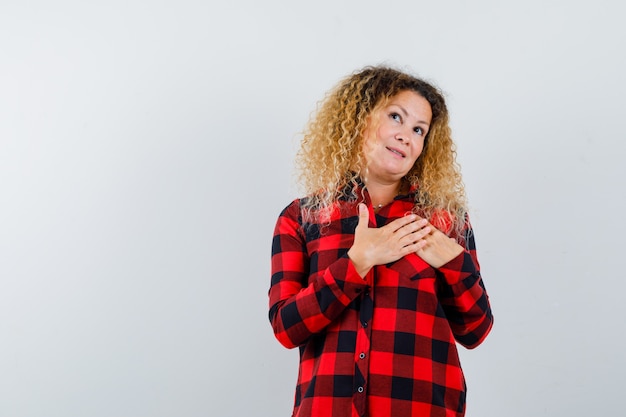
<point x="374" y="273"/>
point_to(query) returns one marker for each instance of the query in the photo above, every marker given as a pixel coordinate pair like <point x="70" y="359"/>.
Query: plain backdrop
<point x="146" y="150"/>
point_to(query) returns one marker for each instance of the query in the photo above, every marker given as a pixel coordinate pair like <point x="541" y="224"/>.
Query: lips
<point x="396" y="151"/>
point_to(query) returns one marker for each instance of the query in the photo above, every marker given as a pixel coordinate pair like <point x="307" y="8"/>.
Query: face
<point x="394" y="138"/>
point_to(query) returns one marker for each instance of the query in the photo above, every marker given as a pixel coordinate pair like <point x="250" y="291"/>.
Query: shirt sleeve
<point x="464" y="297"/>
<point x="299" y="305"/>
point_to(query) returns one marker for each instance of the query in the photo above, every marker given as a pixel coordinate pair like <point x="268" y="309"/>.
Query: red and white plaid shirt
<point x="383" y="346"/>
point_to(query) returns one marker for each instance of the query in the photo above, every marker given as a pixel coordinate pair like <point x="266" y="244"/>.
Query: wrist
<point x="361" y="267"/>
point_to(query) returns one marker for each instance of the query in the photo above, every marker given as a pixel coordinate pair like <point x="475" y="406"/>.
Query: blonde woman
<point x="374" y="273"/>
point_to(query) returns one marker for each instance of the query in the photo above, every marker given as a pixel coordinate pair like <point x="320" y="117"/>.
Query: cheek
<point x="370" y="141"/>
<point x="419" y="148"/>
<point x="368" y="149"/>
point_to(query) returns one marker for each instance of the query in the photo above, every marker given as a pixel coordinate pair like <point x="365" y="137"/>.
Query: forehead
<point x="406" y="96"/>
<point x="411" y="102"/>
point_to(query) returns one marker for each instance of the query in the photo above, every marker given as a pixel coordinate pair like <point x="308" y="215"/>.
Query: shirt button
<point x="364" y="324"/>
<point x="360" y="389"/>
<point x="362" y="355"/>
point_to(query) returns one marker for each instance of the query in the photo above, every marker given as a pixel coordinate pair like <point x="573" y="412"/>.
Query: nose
<point x="403" y="136"/>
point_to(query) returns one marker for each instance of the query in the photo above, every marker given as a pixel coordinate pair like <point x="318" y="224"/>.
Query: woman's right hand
<point x="382" y="245"/>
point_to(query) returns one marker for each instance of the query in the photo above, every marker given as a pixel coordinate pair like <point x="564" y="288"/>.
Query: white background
<point x="146" y="150"/>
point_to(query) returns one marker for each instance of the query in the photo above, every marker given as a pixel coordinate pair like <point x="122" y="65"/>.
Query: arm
<point x="463" y="295"/>
<point x="300" y="308"/>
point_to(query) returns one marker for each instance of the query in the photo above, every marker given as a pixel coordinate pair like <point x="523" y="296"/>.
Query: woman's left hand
<point x="437" y="249"/>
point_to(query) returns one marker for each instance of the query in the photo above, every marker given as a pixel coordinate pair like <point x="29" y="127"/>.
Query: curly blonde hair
<point x="331" y="160"/>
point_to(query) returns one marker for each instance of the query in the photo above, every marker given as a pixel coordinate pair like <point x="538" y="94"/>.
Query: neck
<point x="383" y="194"/>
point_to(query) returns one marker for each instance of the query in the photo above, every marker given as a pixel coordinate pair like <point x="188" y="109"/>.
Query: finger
<point x="364" y="216"/>
<point x="417" y="246"/>
<point x="401" y="222"/>
<point x="411" y="227"/>
<point x="416" y="235"/>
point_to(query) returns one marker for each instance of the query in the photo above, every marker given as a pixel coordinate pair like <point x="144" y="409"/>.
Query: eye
<point x="395" y="116"/>
<point x="419" y="131"/>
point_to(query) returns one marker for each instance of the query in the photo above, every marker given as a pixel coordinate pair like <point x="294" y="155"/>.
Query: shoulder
<point x="293" y="210"/>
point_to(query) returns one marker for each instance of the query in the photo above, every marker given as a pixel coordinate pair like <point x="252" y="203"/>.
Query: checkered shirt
<point x="383" y="346"/>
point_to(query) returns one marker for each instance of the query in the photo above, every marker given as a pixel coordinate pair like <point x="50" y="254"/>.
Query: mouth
<point x="397" y="152"/>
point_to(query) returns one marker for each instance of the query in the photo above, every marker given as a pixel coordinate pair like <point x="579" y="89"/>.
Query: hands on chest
<point x="379" y="246"/>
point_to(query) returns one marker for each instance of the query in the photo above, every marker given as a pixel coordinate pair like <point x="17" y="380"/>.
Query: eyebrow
<point x="406" y="114"/>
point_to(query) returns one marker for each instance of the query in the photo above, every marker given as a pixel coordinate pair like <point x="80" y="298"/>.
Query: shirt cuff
<point x="458" y="268"/>
<point x="353" y="276"/>
<point x="347" y="278"/>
